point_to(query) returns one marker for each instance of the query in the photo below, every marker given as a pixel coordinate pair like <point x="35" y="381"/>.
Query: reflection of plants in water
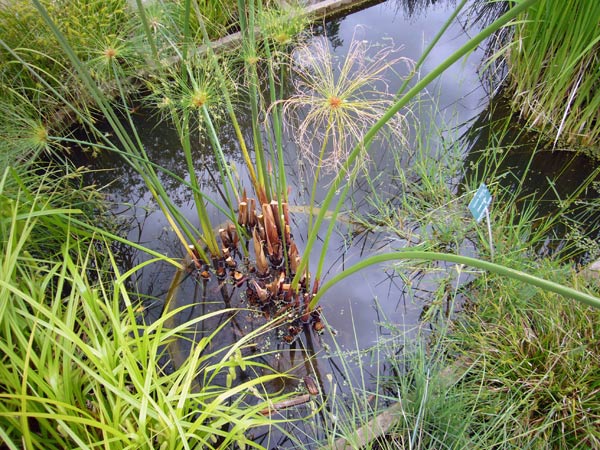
<point x="284" y="273"/>
<point x="330" y="30"/>
<point x="563" y="200"/>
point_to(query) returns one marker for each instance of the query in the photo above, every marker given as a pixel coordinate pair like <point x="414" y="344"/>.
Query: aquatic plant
<point x="552" y="62"/>
<point x="100" y="32"/>
<point x="334" y="104"/>
<point x="340" y="190"/>
<point x="533" y="377"/>
<point x="23" y="133"/>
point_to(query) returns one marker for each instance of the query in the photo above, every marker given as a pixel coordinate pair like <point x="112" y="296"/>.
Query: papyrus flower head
<point x="334" y="103"/>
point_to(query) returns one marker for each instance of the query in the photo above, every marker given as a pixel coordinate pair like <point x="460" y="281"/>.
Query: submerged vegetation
<point x="498" y="359"/>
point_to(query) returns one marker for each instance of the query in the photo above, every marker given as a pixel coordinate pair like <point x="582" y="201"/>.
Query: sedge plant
<point x="336" y="185"/>
<point x="552" y="68"/>
<point x="202" y="247"/>
<point x="80" y="367"/>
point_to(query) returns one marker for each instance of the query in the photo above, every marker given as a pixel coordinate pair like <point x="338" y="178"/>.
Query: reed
<point x="552" y="69"/>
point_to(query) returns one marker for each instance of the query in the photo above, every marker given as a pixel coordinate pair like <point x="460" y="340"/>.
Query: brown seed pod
<point x="287" y="292"/>
<point x="238" y="276"/>
<point x="306" y="314"/>
<point x="315" y="287"/>
<point x="285" y="213"/>
<point x="205" y="271"/>
<point x="273" y="287"/>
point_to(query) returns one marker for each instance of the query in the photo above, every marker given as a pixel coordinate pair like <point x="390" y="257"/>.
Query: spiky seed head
<point x="40" y="135"/>
<point x="199" y="98"/>
<point x="252" y="60"/>
<point x="164" y="102"/>
<point x="283" y="38"/>
<point x="110" y="53"/>
<point x="334" y="102"/>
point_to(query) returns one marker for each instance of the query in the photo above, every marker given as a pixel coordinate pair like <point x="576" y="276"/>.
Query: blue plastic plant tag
<point x="480" y="202"/>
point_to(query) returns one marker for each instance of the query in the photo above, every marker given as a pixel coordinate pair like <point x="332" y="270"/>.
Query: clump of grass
<point x="514" y="367"/>
<point x="553" y="68"/>
<point x="532" y="355"/>
<point x="107" y="36"/>
<point x="79" y="366"/>
<point x="432" y="410"/>
<point x="398" y="392"/>
<point x="96" y="30"/>
<point x="418" y="201"/>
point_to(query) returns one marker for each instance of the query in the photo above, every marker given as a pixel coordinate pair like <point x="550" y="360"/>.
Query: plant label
<point x="480" y="202"/>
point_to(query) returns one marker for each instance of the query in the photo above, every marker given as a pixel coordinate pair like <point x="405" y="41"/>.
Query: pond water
<point x="410" y="26"/>
<point x="359" y="307"/>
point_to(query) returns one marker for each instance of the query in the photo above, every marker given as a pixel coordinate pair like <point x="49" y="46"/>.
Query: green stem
<point x="316" y="177"/>
<point x="147" y="31"/>
<point x="207" y="229"/>
<point x="259" y="152"/>
<point x="186" y="39"/>
<point x="430" y="47"/>
<point x="276" y="115"/>
<point x="224" y="172"/>
<point x="231" y="113"/>
<point x="464" y="260"/>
